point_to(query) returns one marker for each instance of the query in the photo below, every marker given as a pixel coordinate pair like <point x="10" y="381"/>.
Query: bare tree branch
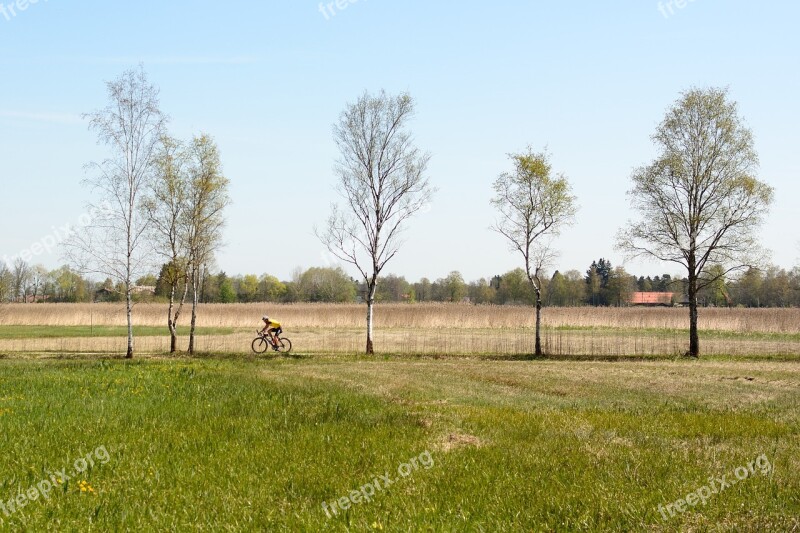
<point x="533" y="206"/>
<point x="115" y="243"/>
<point x="203" y="221"/>
<point x="382" y="183"/>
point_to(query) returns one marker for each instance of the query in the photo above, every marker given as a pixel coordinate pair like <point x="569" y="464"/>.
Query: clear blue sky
<point x="589" y="80"/>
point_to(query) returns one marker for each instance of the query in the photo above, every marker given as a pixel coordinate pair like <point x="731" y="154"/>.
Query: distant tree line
<point x="600" y="285"/>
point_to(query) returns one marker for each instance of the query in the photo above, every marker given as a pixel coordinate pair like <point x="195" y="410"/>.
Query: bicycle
<point x="263" y="341"/>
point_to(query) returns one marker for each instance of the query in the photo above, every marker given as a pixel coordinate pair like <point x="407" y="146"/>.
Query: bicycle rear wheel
<point x="260" y="345"/>
<point x="284" y="345"/>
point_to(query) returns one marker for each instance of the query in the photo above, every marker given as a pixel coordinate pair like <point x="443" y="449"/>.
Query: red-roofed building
<point x="651" y="298"/>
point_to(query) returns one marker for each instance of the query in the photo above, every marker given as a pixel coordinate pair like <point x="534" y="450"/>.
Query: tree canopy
<point x="699" y="202"/>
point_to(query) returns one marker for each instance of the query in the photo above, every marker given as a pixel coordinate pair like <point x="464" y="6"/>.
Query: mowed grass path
<point x="212" y="444"/>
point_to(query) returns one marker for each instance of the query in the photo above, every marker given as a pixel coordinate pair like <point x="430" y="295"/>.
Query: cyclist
<point x="273" y="329"/>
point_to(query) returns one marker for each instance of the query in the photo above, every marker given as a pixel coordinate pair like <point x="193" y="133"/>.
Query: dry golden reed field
<point x="435" y="329"/>
<point x="421" y="315"/>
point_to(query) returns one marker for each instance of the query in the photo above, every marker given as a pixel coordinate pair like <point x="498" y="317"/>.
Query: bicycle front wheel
<point x="284" y="345"/>
<point x="260" y="345"/>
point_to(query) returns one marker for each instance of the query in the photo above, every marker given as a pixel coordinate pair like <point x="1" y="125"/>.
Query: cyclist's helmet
<point x="265" y="318"/>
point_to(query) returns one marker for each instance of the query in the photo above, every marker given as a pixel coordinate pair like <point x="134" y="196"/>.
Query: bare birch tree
<point x="114" y="243"/>
<point x="382" y="181"/>
<point x="533" y="207"/>
<point x="166" y="208"/>
<point x="206" y="199"/>
<point x="699" y="203"/>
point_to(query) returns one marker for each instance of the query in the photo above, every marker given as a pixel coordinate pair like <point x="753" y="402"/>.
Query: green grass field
<point x="58" y="332"/>
<point x="50" y="332"/>
<point x="706" y="333"/>
<point x="469" y="445"/>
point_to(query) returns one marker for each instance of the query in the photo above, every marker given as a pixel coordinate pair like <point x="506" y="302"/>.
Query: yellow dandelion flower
<point x="84" y="486"/>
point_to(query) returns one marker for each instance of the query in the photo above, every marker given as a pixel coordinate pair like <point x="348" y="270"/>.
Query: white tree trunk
<point x="538" y="347"/>
<point x="129" y="312"/>
<point x="194" y="318"/>
<point x="370" y="306"/>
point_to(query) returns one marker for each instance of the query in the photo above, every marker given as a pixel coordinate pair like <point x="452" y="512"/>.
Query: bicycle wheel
<point x="284" y="345"/>
<point x="260" y="345"/>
